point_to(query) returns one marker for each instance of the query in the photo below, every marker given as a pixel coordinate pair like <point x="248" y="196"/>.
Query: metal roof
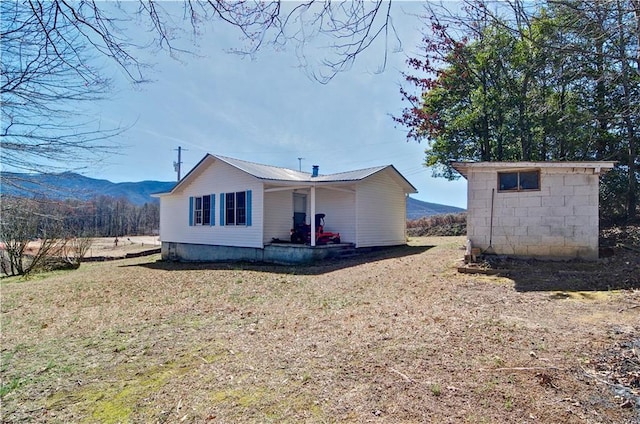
<point x="350" y="175"/>
<point x="274" y="173"/>
<point x="265" y="172"/>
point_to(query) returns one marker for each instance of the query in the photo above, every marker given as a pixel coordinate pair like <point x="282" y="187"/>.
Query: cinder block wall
<point x="558" y="221"/>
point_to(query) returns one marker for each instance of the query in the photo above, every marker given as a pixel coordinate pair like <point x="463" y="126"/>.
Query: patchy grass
<point x="396" y="335"/>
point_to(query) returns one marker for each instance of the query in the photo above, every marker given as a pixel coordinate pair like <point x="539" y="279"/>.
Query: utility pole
<point x="300" y="164"/>
<point x="178" y="164"/>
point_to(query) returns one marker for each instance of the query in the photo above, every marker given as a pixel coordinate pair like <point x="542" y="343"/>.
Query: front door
<point x="299" y="209"/>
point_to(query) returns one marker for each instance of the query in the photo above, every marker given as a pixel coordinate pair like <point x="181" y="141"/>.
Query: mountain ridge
<point x="69" y="185"/>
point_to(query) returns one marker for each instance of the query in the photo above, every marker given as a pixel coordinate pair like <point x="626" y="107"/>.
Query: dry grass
<point x="396" y="336"/>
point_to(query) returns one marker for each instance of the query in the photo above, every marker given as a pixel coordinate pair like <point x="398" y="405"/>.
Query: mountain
<point x="418" y="209"/>
<point x="69" y="185"/>
<point x="75" y="186"/>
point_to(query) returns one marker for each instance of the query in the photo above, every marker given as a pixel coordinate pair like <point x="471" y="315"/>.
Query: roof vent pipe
<point x="314" y="173"/>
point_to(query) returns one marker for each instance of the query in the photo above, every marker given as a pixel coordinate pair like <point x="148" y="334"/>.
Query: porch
<point x="290" y="253"/>
<point x="276" y="252"/>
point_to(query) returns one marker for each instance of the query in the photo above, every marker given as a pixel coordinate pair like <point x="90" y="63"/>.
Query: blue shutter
<point x="212" y="211"/>
<point x="248" y="208"/>
<point x="191" y="211"/>
<point x="221" y="209"/>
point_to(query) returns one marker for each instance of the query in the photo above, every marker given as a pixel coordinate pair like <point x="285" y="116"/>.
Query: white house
<point x="536" y="209"/>
<point x="230" y="209"/>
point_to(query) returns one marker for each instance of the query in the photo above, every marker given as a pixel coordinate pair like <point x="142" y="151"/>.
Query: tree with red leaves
<point x="556" y="80"/>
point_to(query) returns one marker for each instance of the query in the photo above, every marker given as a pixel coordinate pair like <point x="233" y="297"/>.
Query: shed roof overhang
<point x="596" y="167"/>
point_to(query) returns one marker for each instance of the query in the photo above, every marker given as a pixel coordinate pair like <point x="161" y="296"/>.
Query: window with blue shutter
<point x="197" y="211"/>
<point x="202" y="210"/>
<point x="222" y="209"/>
<point x="248" y="208"/>
<point x="235" y="208"/>
<point x="230" y="209"/>
<point x="212" y="211"/>
<point x="241" y="208"/>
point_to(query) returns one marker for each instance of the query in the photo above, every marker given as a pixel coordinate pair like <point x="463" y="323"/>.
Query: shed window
<point x="519" y="181"/>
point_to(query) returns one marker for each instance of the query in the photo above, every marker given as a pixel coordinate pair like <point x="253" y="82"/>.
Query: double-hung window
<point x="519" y="180"/>
<point x="201" y="208"/>
<point x="230" y="208"/>
<point x="197" y="211"/>
<point x="206" y="210"/>
<point x="236" y="209"/>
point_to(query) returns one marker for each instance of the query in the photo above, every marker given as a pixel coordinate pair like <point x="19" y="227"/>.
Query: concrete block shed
<point x="534" y="209"/>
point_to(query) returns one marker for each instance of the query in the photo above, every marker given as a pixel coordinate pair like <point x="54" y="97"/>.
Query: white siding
<point x="337" y="205"/>
<point x="170" y="225"/>
<point x="215" y="179"/>
<point x="559" y="220"/>
<point x="369" y="213"/>
<point x="381" y="210"/>
<point x="278" y="215"/>
<point x="339" y="208"/>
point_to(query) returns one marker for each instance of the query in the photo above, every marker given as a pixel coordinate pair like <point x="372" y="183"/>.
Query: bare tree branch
<point x="52" y="51"/>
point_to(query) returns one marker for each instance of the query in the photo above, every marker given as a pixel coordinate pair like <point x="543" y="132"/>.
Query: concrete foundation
<point x="285" y="254"/>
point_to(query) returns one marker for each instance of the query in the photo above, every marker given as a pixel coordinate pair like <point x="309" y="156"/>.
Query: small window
<point x="202" y="210"/>
<point x="519" y="181"/>
<point x="197" y="211"/>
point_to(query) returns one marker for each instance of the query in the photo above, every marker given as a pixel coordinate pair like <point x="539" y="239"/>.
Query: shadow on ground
<point x="617" y="272"/>
<point x="317" y="268"/>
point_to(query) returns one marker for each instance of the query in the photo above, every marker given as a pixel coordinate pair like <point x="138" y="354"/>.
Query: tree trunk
<point x="628" y="108"/>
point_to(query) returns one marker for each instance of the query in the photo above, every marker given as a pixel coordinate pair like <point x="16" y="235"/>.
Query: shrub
<point x="438" y="225"/>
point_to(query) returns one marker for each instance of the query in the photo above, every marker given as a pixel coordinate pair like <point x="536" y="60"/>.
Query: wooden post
<point x="313" y="215"/>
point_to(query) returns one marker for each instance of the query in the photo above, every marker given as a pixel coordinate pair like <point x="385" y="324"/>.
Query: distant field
<point x="393" y="336"/>
<point x="107" y="246"/>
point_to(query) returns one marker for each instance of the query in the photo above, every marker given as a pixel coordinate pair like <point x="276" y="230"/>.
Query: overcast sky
<point x="267" y="109"/>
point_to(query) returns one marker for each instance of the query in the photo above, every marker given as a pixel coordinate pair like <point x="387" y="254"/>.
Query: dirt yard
<point x="393" y="336"/>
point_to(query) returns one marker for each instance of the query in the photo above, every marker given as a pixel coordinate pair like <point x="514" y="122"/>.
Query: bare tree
<point x="73" y="250"/>
<point x="347" y="27"/>
<point x="52" y="52"/>
<point x="29" y="235"/>
<point x="46" y="70"/>
<point x="38" y="234"/>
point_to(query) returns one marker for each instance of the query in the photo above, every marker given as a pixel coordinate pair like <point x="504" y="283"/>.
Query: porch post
<point x="313" y="215"/>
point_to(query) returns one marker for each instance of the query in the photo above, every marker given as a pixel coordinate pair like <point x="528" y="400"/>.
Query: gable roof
<point x="286" y="175"/>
